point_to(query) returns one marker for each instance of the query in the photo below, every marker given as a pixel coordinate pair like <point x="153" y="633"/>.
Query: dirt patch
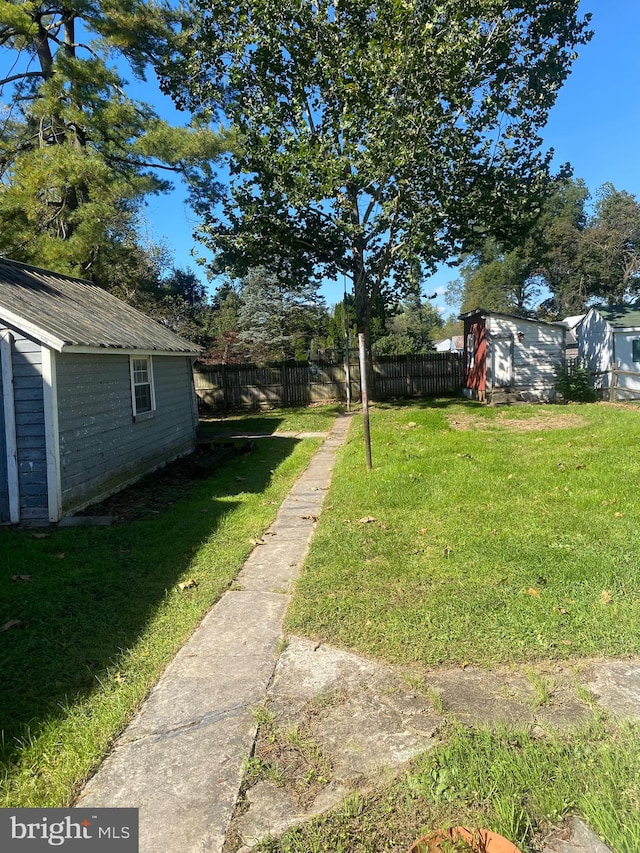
<point x="159" y="491"/>
<point x="535" y="423"/>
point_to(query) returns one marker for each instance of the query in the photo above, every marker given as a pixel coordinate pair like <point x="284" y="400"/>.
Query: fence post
<point x="612" y="387"/>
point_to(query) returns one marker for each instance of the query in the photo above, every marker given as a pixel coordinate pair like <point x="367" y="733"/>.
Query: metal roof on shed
<point x="68" y="313"/>
<point x="620" y="316"/>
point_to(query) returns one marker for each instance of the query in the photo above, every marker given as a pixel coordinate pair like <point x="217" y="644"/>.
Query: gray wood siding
<point x="4" y="483"/>
<point x="101" y="447"/>
<point x="30" y="438"/>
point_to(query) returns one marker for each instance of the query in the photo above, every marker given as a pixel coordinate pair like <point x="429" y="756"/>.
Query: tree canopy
<point x="77" y="155"/>
<point x="374" y="134"/>
<point x="572" y="256"/>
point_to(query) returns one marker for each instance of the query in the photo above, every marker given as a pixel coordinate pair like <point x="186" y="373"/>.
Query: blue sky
<point x="594" y="125"/>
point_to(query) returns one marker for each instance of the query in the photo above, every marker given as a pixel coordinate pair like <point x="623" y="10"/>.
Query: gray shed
<point x="93" y="394"/>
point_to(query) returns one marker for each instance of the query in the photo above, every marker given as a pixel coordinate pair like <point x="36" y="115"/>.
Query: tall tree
<point x="277" y="321"/>
<point x="576" y="256"/>
<point x="375" y="132"/>
<point x="497" y="280"/>
<point x="610" y="249"/>
<point x="77" y="156"/>
<point x="507" y="278"/>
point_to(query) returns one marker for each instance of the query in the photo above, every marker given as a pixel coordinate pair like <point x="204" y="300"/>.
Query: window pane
<point x="143" y="398"/>
<point x="140" y="370"/>
<point x="636" y="350"/>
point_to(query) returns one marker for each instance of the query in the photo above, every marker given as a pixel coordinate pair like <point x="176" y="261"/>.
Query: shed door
<point x="4" y="481"/>
<point x="502" y="362"/>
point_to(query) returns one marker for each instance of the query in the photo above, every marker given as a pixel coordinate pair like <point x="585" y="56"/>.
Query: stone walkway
<point x="181" y="761"/>
<point x="369" y="720"/>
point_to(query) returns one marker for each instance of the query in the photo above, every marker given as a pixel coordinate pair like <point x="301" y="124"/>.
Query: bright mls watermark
<point x="69" y="830"/>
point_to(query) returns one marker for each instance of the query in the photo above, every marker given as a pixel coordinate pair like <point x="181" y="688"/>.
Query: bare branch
<point x="22" y="76"/>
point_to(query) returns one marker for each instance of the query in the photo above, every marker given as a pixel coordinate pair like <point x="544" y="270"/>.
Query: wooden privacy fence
<point x="226" y="387"/>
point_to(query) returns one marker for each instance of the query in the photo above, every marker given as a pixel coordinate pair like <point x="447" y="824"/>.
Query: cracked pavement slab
<point x="181" y="760"/>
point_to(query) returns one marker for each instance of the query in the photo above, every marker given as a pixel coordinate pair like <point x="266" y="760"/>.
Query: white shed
<point x="509" y="357"/>
<point x="610" y="338"/>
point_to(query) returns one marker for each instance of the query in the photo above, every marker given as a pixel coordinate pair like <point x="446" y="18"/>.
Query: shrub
<point x="573" y="382"/>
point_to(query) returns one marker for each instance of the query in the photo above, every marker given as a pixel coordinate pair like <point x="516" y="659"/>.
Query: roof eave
<point x="31" y="329"/>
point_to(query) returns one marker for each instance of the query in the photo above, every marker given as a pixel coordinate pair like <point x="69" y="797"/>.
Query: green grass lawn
<point x="309" y="419"/>
<point x="103" y="614"/>
<point x="496" y="536"/>
<point x="484" y="536"/>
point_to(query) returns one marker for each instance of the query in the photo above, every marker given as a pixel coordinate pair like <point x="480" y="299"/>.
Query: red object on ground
<point x="479" y="841"/>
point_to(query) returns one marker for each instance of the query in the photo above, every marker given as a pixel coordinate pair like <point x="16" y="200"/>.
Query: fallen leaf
<point x="580" y="466"/>
<point x="566" y="642"/>
<point x="605" y="596"/>
<point x="562" y="610"/>
<point x="188" y="584"/>
<point x="119" y="677"/>
<point x="60" y="556"/>
<point x="448" y="551"/>
<point x="561" y="466"/>
<point x="309" y="517"/>
<point x="258" y="542"/>
<point x="423" y="531"/>
<point x="39" y="535"/>
<point x="411" y="425"/>
<point x="12" y="623"/>
<point x="384" y="526"/>
<point x="368" y="519"/>
<point x="533" y="591"/>
<point x="617" y="515"/>
<point x="21" y="577"/>
<point x="464" y="664"/>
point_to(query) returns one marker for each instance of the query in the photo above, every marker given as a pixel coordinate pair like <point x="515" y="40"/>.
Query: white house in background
<point x="610" y="337"/>
<point x="511" y="358"/>
<point x="454" y="344"/>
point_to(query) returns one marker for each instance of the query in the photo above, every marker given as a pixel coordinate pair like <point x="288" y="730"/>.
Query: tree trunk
<point x="362" y="297"/>
<point x="363" y="326"/>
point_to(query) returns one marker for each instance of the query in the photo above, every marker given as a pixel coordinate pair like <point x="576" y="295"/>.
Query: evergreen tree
<point x="77" y="156"/>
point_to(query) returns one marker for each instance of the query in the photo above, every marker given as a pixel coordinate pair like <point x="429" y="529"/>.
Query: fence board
<point x="227" y="387"/>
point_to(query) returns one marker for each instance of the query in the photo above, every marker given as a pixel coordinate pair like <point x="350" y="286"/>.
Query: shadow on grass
<point x="431" y="403"/>
<point x="88" y="594"/>
<point x="240" y="424"/>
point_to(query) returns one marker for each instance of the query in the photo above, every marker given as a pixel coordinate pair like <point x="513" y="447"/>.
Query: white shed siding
<point x="536" y="349"/>
<point x="101" y="447"/>
<point x="595" y="347"/>
<point x="628" y="387"/>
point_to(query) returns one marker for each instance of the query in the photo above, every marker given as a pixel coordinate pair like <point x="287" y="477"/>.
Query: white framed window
<point x="143" y="398"/>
